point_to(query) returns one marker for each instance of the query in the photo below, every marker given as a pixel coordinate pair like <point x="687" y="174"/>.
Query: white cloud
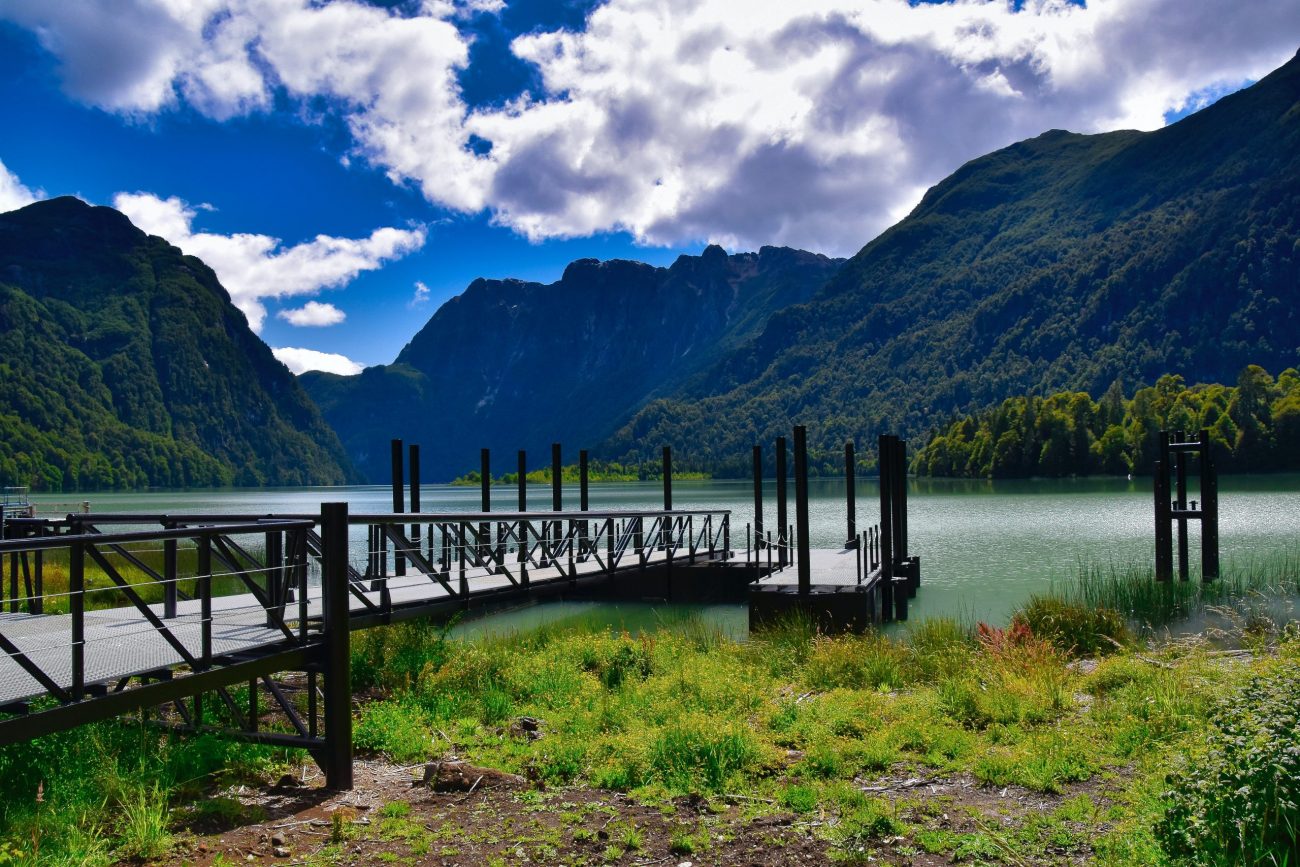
<point x="301" y="360"/>
<point x="313" y="314"/>
<point x="421" y="295"/>
<point x="13" y="195"/>
<point x="256" y="267"/>
<point x="810" y="123"/>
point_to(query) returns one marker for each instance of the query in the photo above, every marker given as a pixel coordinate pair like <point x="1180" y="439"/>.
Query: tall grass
<point x="1131" y="588"/>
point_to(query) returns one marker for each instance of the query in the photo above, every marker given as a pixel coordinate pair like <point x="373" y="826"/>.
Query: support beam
<point x="1209" y="512"/>
<point x="885" y="461"/>
<point x="1180" y="470"/>
<point x="338" y="652"/>
<point x="668" y="479"/>
<point x="522" y="481"/>
<point x="557" y="480"/>
<point x="399" y="505"/>
<point x="1164" y="531"/>
<point x="413" y="453"/>
<point x="801" y="508"/>
<point x="758" y="498"/>
<point x="850" y="496"/>
<point x="782" y="519"/>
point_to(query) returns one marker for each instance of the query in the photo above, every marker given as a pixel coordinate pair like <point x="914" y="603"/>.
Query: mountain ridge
<point x="126" y="365"/>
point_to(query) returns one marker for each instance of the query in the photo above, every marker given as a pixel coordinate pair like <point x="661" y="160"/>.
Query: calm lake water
<point x="984" y="545"/>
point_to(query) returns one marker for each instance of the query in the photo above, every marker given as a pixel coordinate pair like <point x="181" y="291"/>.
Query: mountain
<point x="1063" y="263"/>
<point x="124" y="364"/>
<point x="509" y="364"/>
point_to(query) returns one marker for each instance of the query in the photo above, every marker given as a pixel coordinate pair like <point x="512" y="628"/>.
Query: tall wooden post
<point x="668" y="479"/>
<point x="898" y="476"/>
<point x="886" y="585"/>
<point x="583" y="502"/>
<point x="399" y="562"/>
<point x="338" y="652"/>
<point x="557" y="482"/>
<point x="801" y="508"/>
<point x="1209" y="512"/>
<point x="782" y="525"/>
<point x="1180" y="465"/>
<point x="485" y="502"/>
<point x="758" y="499"/>
<point x="850" y="496"/>
<point x="1164" y="531"/>
<point x="523" y="481"/>
<point x="413" y="452"/>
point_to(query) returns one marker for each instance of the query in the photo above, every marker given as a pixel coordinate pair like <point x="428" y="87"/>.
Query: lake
<point x="984" y="545"/>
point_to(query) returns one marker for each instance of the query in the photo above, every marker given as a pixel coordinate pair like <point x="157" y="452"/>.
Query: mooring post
<point x="1209" y="512"/>
<point x="782" y="527"/>
<point x="557" y="492"/>
<point x="898" y="498"/>
<point x="801" y="508"/>
<point x="399" y="562"/>
<point x="850" y="496"/>
<point x="337" y="652"/>
<point x="522" y="480"/>
<point x="483" y="548"/>
<point x="668" y="479"/>
<point x="583" y="502"/>
<point x="1180" y="463"/>
<point x="885" y="582"/>
<point x="413" y="459"/>
<point x="1164" y="532"/>
<point x="758" y="498"/>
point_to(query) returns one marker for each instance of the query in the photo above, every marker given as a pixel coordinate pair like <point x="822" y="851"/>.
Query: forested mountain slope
<point x="1065" y="262"/>
<point x="124" y="364"/>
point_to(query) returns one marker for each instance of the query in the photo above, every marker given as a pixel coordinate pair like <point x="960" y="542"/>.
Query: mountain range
<point x="1064" y="262"/>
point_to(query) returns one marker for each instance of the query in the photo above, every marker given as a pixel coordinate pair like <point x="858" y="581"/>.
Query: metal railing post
<point x="77" y="608"/>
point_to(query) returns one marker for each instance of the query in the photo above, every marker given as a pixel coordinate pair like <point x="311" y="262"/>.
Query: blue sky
<point x="347" y="167"/>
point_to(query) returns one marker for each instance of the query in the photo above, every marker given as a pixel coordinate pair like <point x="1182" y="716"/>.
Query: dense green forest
<point x="1254" y="426"/>
<point x="123" y="364"/>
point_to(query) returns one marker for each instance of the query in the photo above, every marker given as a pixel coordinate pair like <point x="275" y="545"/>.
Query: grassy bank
<point x="944" y="744"/>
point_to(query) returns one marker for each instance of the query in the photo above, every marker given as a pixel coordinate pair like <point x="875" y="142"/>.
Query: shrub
<point x="1240" y="802"/>
<point x="865" y="662"/>
<point x="1079" y="630"/>
<point x="692" y="758"/>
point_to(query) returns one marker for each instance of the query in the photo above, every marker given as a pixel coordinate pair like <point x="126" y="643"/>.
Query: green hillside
<point x="123" y="364"/>
<point x="1061" y="263"/>
<point x="1253" y="426"/>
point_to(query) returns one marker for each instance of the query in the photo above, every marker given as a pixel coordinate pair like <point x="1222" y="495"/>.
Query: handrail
<point x="45" y="543"/>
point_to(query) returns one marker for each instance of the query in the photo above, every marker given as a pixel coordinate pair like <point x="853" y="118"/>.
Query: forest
<point x="1254" y="426"/>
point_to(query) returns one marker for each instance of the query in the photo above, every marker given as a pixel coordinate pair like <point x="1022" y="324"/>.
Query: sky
<point x="345" y="167"/>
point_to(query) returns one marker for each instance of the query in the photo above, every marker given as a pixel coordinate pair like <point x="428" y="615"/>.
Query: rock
<point x="463" y="777"/>
<point x="280" y="852"/>
<point x="277" y="839"/>
<point x="288" y="781"/>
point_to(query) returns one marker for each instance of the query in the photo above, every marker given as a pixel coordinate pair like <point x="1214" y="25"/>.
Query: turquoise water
<point x="984" y="545"/>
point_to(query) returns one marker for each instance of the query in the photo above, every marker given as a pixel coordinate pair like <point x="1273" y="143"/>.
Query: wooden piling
<point x="668" y="478"/>
<point x="413" y="455"/>
<point x="850" y="496"/>
<point x="885" y="461"/>
<point x="782" y="527"/>
<point x="1164" y="531"/>
<point x="337" y="640"/>
<point x="399" y="506"/>
<point x="522" y="481"/>
<point x="801" y="508"/>
<point x="1209" y="511"/>
<point x="758" y="498"/>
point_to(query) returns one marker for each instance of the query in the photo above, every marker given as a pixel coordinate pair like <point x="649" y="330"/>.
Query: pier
<point x="164" y="615"/>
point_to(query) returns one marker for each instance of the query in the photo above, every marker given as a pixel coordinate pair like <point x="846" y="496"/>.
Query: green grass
<point x="1131" y="589"/>
<point x="788" y="721"/>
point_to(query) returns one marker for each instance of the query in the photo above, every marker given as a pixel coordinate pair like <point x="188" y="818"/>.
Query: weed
<point x="143" y="830"/>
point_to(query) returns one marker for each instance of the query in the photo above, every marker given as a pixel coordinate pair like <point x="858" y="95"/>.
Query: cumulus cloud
<point x="301" y="360"/>
<point x="814" y="123"/>
<point x="421" y="295"/>
<point x="13" y="194"/>
<point x="257" y="267"/>
<point x="313" y="314"/>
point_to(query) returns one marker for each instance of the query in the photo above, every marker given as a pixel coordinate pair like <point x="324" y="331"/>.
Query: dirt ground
<point x="474" y="816"/>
